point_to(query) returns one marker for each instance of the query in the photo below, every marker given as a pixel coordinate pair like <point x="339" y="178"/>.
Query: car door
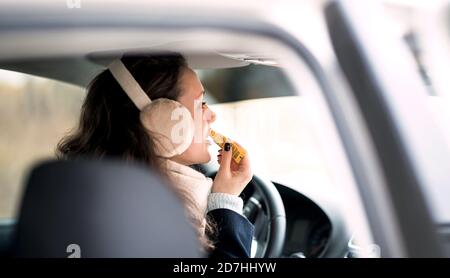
<point x="410" y="151"/>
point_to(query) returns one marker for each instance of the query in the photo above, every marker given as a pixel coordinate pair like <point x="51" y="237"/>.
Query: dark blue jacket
<point x="234" y="234"/>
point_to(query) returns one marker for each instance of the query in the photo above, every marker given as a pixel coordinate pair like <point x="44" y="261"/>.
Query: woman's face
<point x="192" y="94"/>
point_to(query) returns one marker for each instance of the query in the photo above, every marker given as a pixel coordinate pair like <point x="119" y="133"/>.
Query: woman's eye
<point x="204" y="103"/>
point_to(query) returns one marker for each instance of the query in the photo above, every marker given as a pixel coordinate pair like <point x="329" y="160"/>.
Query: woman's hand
<point x="231" y="177"/>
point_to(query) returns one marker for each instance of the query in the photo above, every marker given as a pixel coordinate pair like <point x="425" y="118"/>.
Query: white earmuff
<point x="169" y="122"/>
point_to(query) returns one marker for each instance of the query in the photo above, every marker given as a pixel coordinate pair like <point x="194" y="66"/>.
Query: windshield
<point x="278" y="137"/>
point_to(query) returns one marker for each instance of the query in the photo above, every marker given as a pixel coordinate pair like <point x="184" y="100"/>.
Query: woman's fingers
<point x="245" y="163"/>
<point x="225" y="158"/>
<point x="244" y="170"/>
<point x="241" y="167"/>
<point x="231" y="177"/>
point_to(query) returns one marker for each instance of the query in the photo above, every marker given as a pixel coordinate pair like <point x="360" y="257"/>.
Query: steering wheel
<point x="264" y="207"/>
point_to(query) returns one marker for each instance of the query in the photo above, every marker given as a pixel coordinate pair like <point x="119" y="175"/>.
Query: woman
<point x="113" y="123"/>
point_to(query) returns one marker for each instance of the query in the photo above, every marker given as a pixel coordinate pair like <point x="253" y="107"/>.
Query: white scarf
<point x="186" y="179"/>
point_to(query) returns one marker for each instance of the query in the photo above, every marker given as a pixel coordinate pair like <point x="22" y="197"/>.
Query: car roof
<point x="73" y="45"/>
<point x="31" y="41"/>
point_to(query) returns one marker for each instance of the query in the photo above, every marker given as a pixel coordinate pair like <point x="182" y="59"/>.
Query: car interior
<point x="288" y="223"/>
<point x="318" y="184"/>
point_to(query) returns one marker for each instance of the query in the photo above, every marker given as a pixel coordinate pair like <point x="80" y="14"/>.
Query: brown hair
<point x="110" y="126"/>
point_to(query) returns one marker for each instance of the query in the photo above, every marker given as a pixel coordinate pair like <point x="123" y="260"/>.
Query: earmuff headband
<point x="157" y="116"/>
<point x="129" y="84"/>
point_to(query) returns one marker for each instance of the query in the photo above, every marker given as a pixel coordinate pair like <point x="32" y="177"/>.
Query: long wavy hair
<point x="110" y="126"/>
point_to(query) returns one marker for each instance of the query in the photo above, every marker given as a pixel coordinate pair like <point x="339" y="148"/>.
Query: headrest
<point x="101" y="209"/>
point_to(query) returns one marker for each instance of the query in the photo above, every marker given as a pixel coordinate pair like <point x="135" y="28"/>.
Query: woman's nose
<point x="210" y="115"/>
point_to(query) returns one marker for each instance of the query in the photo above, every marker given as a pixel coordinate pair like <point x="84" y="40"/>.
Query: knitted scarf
<point x="192" y="184"/>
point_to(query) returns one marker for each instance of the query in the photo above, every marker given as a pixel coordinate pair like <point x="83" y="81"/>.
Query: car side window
<point x="35" y="114"/>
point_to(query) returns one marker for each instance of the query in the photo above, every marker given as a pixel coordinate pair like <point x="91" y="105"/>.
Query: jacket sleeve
<point x="234" y="234"/>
